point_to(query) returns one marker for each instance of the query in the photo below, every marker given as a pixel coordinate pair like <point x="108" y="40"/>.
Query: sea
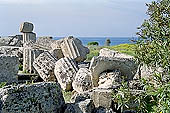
<point x="101" y="40"/>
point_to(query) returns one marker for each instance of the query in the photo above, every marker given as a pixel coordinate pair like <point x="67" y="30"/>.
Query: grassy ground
<point x="122" y="48"/>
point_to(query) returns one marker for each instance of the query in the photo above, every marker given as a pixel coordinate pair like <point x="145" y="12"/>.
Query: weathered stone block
<point x="29" y="55"/>
<point x="45" y="64"/>
<point x="111" y="53"/>
<point x="8" y="68"/>
<point x="127" y="67"/>
<point x="73" y="48"/>
<point x="83" y="80"/>
<point x="108" y="79"/>
<point x="57" y="53"/>
<point x="29" y="37"/>
<point x="102" y="98"/>
<point x="35" y="98"/>
<point x="85" y="106"/>
<point x="16" y="40"/>
<point x="26" y="27"/>
<point x="65" y="72"/>
<point x="45" y="42"/>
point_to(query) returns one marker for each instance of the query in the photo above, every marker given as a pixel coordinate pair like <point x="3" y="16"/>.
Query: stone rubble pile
<point x="61" y="65"/>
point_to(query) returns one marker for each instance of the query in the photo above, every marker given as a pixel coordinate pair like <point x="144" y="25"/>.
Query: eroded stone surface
<point x="83" y="80"/>
<point x="26" y="27"/>
<point x="102" y="98"/>
<point x="8" y="68"/>
<point x="108" y="79"/>
<point x="44" y="64"/>
<point x="57" y="53"/>
<point x="73" y="48"/>
<point x="45" y="41"/>
<point x="111" y="53"/>
<point x="34" y="98"/>
<point x="65" y="72"/>
<point x="12" y="41"/>
<point x="127" y="67"/>
<point x="85" y="106"/>
<point x="29" y="37"/>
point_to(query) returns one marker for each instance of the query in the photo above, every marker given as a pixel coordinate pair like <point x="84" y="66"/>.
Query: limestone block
<point x="56" y="44"/>
<point x="102" y="98"/>
<point x="45" y="41"/>
<point x="103" y="110"/>
<point x="8" y="68"/>
<point x="57" y="53"/>
<point x="111" y="53"/>
<point x="44" y="65"/>
<point x="83" y="80"/>
<point x="26" y="27"/>
<point x="73" y="48"/>
<point x="29" y="55"/>
<point x="12" y="41"/>
<point x="29" y="37"/>
<point x="85" y="106"/>
<point x="108" y="79"/>
<point x="127" y="67"/>
<point x="65" y="72"/>
<point x="45" y="97"/>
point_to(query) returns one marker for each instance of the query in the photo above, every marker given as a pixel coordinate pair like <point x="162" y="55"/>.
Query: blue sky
<point x="117" y="18"/>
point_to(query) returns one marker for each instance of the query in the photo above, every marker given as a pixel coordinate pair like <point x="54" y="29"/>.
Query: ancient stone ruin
<point x="52" y="66"/>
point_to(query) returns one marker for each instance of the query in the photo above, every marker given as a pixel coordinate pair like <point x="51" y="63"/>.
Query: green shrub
<point x="67" y="95"/>
<point x="93" y="43"/>
<point x="20" y="67"/>
<point x="2" y="84"/>
<point x="153" y="49"/>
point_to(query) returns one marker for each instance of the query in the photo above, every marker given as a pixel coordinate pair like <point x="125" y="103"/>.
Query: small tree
<point x="153" y="47"/>
<point x="93" y="43"/>
<point x="107" y="42"/>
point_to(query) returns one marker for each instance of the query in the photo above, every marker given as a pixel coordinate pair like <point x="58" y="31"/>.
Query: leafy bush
<point x="2" y="84"/>
<point x="153" y="49"/>
<point x="20" y="67"/>
<point x="93" y="43"/>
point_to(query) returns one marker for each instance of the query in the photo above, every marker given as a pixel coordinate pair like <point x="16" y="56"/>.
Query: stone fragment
<point x="111" y="53"/>
<point x="83" y="80"/>
<point x="26" y="27"/>
<point x="8" y="68"/>
<point x="44" y="65"/>
<point x="85" y="106"/>
<point x="45" y="42"/>
<point x="12" y="41"/>
<point x="108" y="79"/>
<point x="78" y="97"/>
<point x="127" y="67"/>
<point x="103" y="110"/>
<point x="102" y="98"/>
<point x="65" y="72"/>
<point x="45" y="97"/>
<point x="57" y="53"/>
<point x="73" y="48"/>
<point x="29" y="37"/>
<point x="29" y="55"/>
<point x="56" y="44"/>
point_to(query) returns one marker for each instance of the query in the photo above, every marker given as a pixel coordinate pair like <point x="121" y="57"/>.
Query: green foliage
<point x="93" y="43"/>
<point x="20" y="67"/>
<point x="153" y="49"/>
<point x="2" y="84"/>
<point x="67" y="95"/>
<point x="155" y="97"/>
